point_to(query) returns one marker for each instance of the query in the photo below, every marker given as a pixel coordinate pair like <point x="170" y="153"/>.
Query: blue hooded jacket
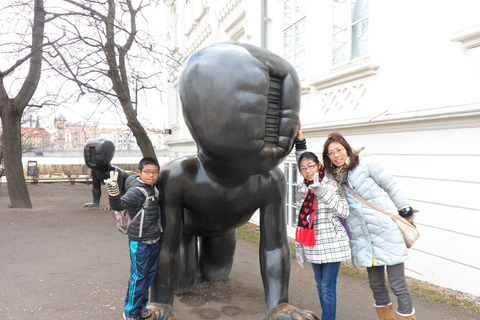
<point x="376" y="238"/>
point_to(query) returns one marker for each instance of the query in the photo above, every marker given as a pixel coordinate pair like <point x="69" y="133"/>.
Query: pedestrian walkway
<point x="62" y="261"/>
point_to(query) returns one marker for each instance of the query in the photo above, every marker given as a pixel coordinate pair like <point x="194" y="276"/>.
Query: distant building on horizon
<point x="72" y="136"/>
<point x="35" y="138"/>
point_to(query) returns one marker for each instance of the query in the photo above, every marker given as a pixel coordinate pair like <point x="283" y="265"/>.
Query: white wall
<point x="414" y="102"/>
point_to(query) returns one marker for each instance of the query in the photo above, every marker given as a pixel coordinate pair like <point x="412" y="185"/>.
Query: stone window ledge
<point x="344" y="74"/>
<point x="470" y="38"/>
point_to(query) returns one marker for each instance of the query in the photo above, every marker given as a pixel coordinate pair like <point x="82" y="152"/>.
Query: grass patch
<point x="426" y="291"/>
<point x="350" y="270"/>
<point x="434" y="293"/>
<point x="249" y="232"/>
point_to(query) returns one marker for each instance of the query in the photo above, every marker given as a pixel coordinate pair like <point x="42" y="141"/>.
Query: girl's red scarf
<point x="305" y="234"/>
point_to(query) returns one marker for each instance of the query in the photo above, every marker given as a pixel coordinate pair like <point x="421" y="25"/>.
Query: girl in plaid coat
<point x="320" y="234"/>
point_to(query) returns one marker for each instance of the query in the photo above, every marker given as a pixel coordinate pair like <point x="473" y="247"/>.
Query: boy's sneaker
<point x="127" y="318"/>
<point x="145" y="313"/>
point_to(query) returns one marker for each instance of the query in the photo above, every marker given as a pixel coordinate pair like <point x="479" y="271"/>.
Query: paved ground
<point x="61" y="261"/>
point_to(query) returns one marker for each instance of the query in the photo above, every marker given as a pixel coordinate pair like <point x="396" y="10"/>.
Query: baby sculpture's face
<point x="242" y="109"/>
<point x="98" y="153"/>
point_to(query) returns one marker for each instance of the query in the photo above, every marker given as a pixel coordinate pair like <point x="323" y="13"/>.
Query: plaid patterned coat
<point x="331" y="239"/>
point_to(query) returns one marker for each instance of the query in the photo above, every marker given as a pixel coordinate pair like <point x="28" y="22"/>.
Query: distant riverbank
<point x="76" y="157"/>
<point x="122" y="157"/>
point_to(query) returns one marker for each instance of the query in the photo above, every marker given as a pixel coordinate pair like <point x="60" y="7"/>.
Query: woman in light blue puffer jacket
<point x="376" y="240"/>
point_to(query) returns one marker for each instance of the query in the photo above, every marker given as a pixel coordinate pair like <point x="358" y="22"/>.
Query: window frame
<point x="292" y="178"/>
<point x="348" y="28"/>
<point x="298" y="21"/>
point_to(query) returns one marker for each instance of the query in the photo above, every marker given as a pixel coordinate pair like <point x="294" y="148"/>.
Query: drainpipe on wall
<point x="264" y="24"/>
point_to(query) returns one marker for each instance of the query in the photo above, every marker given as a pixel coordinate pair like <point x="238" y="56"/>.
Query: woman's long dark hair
<point x="337" y="137"/>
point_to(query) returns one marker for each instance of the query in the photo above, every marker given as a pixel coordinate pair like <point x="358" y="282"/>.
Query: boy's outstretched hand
<point x="112" y="185"/>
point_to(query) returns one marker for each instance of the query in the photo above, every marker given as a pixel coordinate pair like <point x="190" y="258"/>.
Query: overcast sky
<point x="152" y="110"/>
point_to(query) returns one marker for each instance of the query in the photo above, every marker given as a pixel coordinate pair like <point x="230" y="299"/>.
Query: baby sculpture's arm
<point x="275" y="253"/>
<point x="163" y="287"/>
<point x="96" y="192"/>
<point x="274" y="246"/>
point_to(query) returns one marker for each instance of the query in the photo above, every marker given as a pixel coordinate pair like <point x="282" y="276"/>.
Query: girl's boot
<point x="385" y="312"/>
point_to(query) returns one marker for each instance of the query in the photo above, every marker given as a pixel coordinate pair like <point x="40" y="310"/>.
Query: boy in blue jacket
<point x="143" y="232"/>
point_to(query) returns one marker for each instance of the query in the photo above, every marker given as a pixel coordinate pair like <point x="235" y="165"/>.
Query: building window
<point x="350" y="30"/>
<point x="294" y="34"/>
<point x="291" y="175"/>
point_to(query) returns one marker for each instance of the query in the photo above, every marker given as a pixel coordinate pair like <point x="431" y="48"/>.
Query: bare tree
<point x="88" y="34"/>
<point x="12" y="106"/>
<point x="104" y="53"/>
<point x="2" y="164"/>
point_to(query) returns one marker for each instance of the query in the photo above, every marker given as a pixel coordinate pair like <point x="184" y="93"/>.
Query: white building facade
<point x="401" y="78"/>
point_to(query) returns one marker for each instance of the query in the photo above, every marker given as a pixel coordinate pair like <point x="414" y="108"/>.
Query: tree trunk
<point x="12" y="146"/>
<point x="11" y="111"/>
<point x="143" y="141"/>
<point x="118" y="75"/>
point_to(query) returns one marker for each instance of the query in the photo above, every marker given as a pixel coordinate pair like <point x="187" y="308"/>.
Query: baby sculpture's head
<point x="98" y="153"/>
<point x="241" y="104"/>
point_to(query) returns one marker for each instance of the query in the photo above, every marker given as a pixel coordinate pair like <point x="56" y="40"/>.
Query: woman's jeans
<point x="398" y="283"/>
<point x="326" y="278"/>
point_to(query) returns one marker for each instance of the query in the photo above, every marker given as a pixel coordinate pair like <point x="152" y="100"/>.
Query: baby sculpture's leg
<point x="188" y="271"/>
<point x="216" y="256"/>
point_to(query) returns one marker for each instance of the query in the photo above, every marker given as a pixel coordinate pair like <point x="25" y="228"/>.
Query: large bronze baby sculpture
<point x="241" y="105"/>
<point x="98" y="153"/>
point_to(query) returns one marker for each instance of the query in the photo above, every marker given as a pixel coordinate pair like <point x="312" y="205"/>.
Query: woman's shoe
<point x="413" y="316"/>
<point x="385" y="312"/>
